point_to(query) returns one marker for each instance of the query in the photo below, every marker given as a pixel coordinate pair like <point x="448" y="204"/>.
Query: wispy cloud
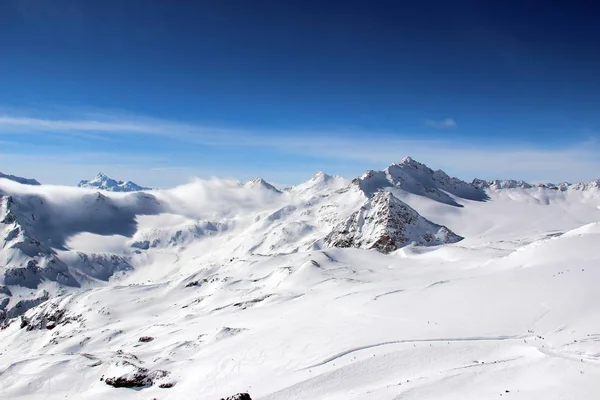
<point x="103" y="125"/>
<point x="346" y="154"/>
<point x="441" y="124"/>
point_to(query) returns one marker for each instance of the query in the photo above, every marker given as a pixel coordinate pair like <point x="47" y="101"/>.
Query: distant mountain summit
<point x="501" y="184"/>
<point x="320" y="184"/>
<point x="413" y="177"/>
<point x="23" y="181"/>
<point x="262" y="184"/>
<point x="104" y="182"/>
<point x="514" y="184"/>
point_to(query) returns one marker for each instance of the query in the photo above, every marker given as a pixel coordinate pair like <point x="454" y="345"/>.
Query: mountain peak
<point x="413" y="177"/>
<point x="321" y="176"/>
<point x="408" y="160"/>
<point x="386" y="223"/>
<point x="259" y="182"/>
<point x="320" y="182"/>
<point x="104" y="182"/>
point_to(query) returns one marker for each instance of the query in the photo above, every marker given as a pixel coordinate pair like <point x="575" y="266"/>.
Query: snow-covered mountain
<point x="501" y="184"/>
<point x="413" y="177"/>
<point x="387" y="224"/>
<point x="591" y="185"/>
<point x="260" y="183"/>
<point x="103" y="182"/>
<point x="34" y="229"/>
<point x="329" y="289"/>
<point x="320" y="184"/>
<point x="513" y="184"/>
<point x="26" y="257"/>
<point x="24" y="181"/>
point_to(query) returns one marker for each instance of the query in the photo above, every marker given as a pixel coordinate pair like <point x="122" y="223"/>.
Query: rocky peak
<point x="411" y="162"/>
<point x="385" y="223"/>
<point x="103" y="182"/>
<point x="416" y="178"/>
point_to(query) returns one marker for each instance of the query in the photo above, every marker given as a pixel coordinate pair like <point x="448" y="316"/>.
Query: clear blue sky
<point x="158" y="91"/>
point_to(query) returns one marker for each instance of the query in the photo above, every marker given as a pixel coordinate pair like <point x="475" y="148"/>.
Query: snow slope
<point x="231" y="289"/>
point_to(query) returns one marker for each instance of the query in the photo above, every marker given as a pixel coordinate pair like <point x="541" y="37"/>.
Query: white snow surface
<point x="216" y="288"/>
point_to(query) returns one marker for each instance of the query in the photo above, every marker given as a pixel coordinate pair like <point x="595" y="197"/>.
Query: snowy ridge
<point x="178" y="235"/>
<point x="514" y="184"/>
<point x="103" y="182"/>
<point x="18" y="179"/>
<point x="501" y="184"/>
<point x="591" y="185"/>
<point x="262" y="184"/>
<point x="25" y="259"/>
<point x="413" y="177"/>
<point x="34" y="231"/>
<point x="319" y="185"/>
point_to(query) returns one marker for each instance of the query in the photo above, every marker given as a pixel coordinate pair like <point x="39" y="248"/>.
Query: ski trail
<point x="583" y="358"/>
<point x="435" y="340"/>
<point x="387" y="293"/>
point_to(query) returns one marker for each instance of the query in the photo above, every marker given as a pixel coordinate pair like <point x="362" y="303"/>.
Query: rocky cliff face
<point x="386" y="224"/>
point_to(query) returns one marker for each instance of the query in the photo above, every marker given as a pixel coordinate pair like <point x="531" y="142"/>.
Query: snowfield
<point x="401" y="284"/>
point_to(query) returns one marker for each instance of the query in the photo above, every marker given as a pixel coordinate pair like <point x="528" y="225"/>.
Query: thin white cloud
<point x="103" y="126"/>
<point x="441" y="124"/>
<point x="347" y="155"/>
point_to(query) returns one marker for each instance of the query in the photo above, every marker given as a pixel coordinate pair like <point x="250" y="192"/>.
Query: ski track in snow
<point x="387" y="294"/>
<point x="465" y="339"/>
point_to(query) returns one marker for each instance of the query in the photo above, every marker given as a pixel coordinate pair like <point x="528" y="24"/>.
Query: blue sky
<point x="158" y="91"/>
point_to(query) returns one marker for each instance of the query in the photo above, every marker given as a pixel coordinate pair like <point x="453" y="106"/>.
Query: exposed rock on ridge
<point x="387" y="224"/>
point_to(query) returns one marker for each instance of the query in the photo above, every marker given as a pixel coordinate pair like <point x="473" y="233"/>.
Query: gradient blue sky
<point x="159" y="91"/>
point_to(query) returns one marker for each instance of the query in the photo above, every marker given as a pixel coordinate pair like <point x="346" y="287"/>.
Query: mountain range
<point x="237" y="280"/>
<point x="103" y="182"/>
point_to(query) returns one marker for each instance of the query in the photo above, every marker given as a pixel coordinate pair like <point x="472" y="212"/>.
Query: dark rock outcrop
<point x="126" y="374"/>
<point x="239" y="396"/>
